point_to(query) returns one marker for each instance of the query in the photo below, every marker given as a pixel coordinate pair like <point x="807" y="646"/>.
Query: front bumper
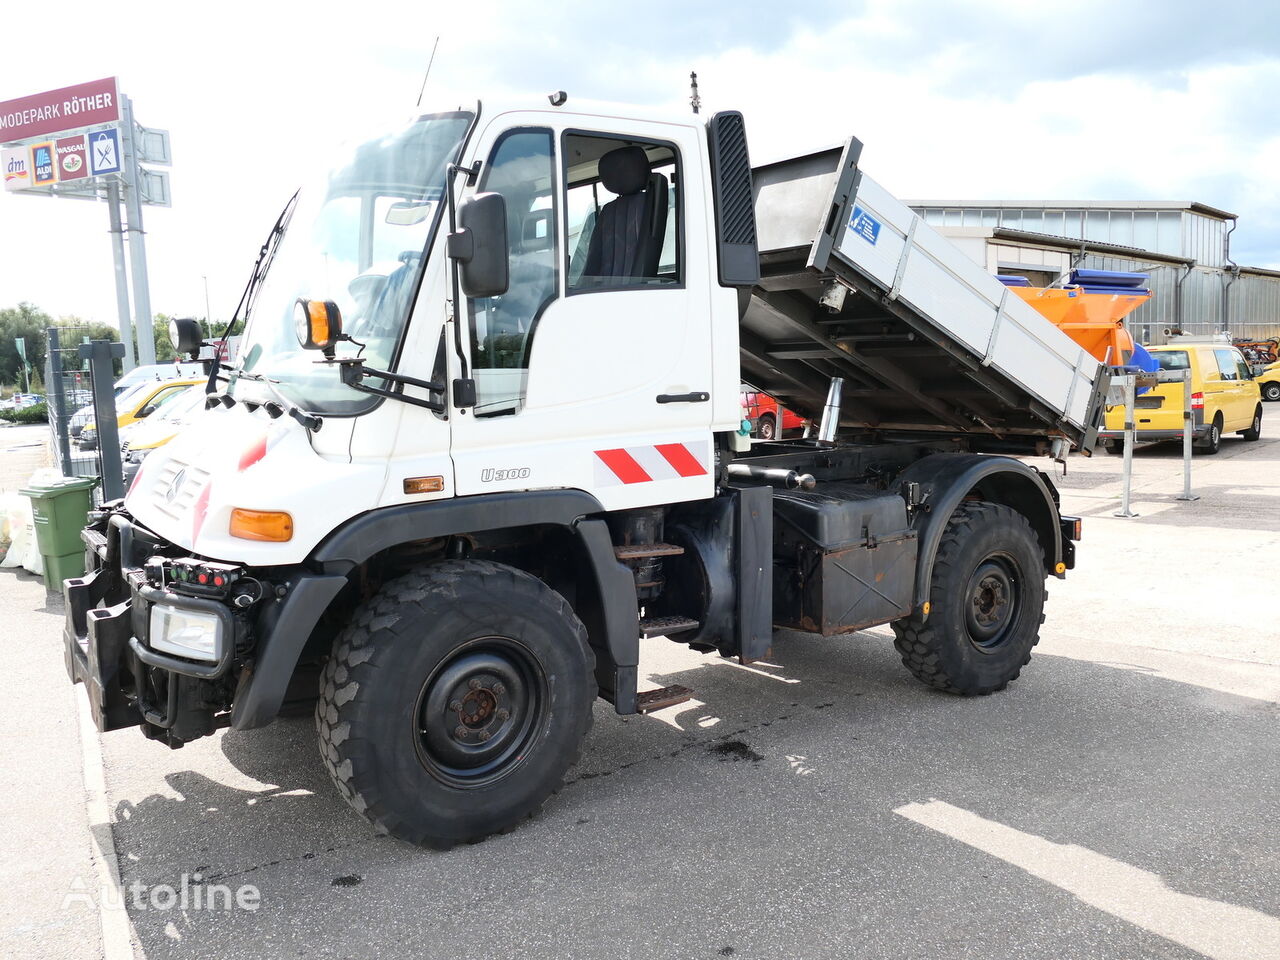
<point x="105" y="641"/>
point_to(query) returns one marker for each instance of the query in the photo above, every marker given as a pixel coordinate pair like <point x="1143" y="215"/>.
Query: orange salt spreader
<point x="1090" y="308"/>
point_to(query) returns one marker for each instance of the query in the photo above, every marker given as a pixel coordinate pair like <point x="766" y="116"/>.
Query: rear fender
<point x="947" y="479"/>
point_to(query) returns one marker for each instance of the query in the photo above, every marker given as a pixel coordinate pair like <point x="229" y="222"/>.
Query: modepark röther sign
<point x="82" y="142"/>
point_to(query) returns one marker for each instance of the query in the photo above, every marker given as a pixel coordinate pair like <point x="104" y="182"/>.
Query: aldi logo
<point x="43" y="171"/>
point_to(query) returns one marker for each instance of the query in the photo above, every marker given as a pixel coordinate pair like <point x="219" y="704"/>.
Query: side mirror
<point x="480" y="245"/>
<point x="147" y="411"/>
<point x="186" y="336"/>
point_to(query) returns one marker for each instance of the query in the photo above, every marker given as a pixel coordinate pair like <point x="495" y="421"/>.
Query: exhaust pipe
<point x="831" y="412"/>
<point x="774" y="476"/>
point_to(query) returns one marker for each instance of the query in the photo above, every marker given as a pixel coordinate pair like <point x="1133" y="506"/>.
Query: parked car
<point x="20" y="401"/>
<point x="1268" y="381"/>
<point x="160" y="371"/>
<point x="140" y="438"/>
<point x="1224" y="399"/>
<point x="769" y="419"/>
<point x="136" y="404"/>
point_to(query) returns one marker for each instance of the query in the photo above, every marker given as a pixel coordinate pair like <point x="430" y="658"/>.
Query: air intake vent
<point x="735" y="209"/>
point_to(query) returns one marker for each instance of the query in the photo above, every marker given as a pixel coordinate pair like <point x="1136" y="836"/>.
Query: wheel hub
<point x="992" y="602"/>
<point x="477" y="711"/>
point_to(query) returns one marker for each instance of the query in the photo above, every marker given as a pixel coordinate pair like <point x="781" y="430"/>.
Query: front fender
<point x="285" y="627"/>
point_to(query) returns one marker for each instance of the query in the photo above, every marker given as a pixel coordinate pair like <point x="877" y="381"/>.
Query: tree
<point x="26" y="321"/>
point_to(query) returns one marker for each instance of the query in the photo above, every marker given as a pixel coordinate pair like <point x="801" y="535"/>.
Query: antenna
<point x="695" y="101"/>
<point x="428" y="73"/>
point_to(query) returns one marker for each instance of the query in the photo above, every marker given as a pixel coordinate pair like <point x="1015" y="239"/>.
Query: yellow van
<point x="1224" y="399"/>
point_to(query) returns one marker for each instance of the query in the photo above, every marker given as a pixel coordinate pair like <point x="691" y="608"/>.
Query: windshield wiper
<point x="265" y="255"/>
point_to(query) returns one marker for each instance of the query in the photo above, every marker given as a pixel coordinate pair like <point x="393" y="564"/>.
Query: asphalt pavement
<point x="1118" y="800"/>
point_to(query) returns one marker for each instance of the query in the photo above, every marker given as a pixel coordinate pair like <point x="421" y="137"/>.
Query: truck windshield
<point x="359" y="238"/>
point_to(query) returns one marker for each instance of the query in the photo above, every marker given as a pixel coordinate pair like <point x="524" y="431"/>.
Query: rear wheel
<point x="455" y="701"/>
<point x="1255" y="428"/>
<point x="1113" y="447"/>
<point x="767" y="427"/>
<point x="986" y="604"/>
<point x="1212" y="441"/>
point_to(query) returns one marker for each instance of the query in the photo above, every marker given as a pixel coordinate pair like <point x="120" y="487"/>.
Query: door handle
<point x="683" y="397"/>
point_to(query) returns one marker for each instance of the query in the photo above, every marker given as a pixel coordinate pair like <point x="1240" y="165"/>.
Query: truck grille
<point x="177" y="487"/>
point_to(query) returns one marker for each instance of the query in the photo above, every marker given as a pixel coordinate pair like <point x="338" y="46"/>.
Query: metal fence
<point x="69" y="390"/>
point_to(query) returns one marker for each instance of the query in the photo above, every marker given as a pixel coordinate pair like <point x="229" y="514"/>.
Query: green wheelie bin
<point x="59" y="509"/>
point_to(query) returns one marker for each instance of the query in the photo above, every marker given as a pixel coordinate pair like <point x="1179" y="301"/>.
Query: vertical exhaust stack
<point x="831" y="412"/>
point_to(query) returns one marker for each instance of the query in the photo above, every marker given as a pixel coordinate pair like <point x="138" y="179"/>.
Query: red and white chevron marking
<point x="663" y="461"/>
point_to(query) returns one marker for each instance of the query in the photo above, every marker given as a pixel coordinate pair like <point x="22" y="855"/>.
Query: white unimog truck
<point x="485" y="434"/>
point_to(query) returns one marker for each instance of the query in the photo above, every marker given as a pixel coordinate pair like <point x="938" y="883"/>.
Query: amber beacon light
<point x="318" y="323"/>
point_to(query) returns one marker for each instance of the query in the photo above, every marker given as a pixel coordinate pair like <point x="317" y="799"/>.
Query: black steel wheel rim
<point x="479" y="711"/>
<point x="992" y="602"/>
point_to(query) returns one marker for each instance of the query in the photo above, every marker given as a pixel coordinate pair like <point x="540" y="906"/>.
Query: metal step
<point x="663" y="697"/>
<point x="665" y="626"/>
<point x="639" y="551"/>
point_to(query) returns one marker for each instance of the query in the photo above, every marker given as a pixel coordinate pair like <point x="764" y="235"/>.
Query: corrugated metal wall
<point x="1254" y="311"/>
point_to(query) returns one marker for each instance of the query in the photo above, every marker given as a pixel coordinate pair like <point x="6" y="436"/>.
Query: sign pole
<point x="137" y="241"/>
<point x="122" y="279"/>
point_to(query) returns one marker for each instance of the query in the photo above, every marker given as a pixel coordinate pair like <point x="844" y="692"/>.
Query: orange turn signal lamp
<point x="423" y="484"/>
<point x="271" y="526"/>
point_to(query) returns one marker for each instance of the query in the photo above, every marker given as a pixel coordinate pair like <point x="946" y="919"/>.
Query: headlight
<point x="187" y="633"/>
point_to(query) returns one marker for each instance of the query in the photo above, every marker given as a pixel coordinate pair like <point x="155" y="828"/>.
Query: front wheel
<point x="1271" y="391"/>
<point x="986" y="604"/>
<point x="455" y="701"/>
<point x="767" y="427"/>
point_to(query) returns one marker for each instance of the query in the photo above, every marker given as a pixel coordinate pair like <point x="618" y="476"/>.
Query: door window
<point x="1227" y="364"/>
<point x="622" y="202"/>
<point x="521" y="168"/>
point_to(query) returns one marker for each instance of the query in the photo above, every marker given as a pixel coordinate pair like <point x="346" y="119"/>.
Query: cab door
<point x="593" y="371"/>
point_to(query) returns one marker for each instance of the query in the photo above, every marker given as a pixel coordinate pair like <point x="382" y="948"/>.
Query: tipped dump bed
<point x="854" y="284"/>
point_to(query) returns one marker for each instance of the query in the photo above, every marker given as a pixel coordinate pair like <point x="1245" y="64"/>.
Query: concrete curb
<point x="117" y="936"/>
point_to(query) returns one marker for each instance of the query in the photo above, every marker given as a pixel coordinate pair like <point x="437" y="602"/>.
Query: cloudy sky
<point x="993" y="99"/>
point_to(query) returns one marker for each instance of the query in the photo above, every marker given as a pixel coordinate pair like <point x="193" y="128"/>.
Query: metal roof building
<point x="1184" y="246"/>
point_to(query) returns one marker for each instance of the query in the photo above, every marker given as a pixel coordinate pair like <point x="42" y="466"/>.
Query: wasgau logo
<point x="491" y="475"/>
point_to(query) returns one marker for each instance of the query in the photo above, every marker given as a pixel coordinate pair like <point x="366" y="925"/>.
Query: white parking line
<point x="117" y="942"/>
<point x="1221" y="931"/>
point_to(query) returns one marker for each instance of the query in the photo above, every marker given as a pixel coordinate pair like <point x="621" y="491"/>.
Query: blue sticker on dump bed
<point x="864" y="225"/>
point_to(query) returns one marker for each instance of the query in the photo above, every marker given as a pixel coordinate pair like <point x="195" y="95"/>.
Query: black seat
<point x="628" y="234"/>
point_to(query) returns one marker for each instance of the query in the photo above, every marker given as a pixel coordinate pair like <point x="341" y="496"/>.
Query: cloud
<point x="972" y="100"/>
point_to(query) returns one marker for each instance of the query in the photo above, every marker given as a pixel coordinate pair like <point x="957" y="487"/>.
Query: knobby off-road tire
<point x="986" y="604"/>
<point x="454" y="702"/>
